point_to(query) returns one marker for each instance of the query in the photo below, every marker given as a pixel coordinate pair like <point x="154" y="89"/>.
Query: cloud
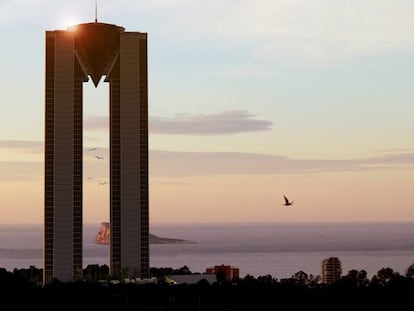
<point x="176" y="164"/>
<point x="404" y="158"/>
<point x="97" y="123"/>
<point x="29" y="146"/>
<point x="395" y="150"/>
<point x="227" y="122"/>
<point x="169" y="163"/>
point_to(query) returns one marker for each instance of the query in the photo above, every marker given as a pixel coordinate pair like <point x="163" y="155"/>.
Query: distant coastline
<point x="154" y="239"/>
<point x="103" y="237"/>
<point x="280" y="248"/>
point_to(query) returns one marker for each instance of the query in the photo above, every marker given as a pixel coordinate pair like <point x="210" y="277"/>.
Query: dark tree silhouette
<point x="410" y="271"/>
<point x="385" y="275"/>
<point x="95" y="273"/>
<point x="266" y="279"/>
<point x="357" y="278"/>
<point x="301" y="277"/>
<point x="386" y="289"/>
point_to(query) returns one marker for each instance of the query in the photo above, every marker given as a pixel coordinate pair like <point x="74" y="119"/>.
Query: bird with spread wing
<point x="287" y="202"/>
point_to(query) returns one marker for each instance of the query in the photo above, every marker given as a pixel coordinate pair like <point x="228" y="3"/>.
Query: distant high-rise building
<point x="331" y="270"/>
<point x="96" y="49"/>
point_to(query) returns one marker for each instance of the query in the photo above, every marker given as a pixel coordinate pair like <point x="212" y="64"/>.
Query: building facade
<point x="229" y="272"/>
<point x="72" y="55"/>
<point x="331" y="270"/>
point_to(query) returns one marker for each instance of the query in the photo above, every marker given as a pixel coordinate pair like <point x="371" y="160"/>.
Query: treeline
<point x="354" y="290"/>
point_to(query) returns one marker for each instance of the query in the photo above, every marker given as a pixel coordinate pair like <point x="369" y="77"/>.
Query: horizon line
<point x="246" y="223"/>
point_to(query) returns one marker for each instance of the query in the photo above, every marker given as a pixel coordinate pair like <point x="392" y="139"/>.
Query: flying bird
<point x="103" y="183"/>
<point x="93" y="149"/>
<point x="287" y="202"/>
<point x="99" y="158"/>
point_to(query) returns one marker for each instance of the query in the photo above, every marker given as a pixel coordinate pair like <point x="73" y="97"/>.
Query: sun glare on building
<point x="70" y="23"/>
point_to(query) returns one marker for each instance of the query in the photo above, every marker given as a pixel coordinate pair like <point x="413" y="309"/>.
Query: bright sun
<point x="70" y="21"/>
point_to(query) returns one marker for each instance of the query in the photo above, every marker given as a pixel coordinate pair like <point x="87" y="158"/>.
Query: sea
<point x="257" y="249"/>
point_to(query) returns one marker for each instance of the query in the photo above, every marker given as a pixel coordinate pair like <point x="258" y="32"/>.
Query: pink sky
<point x="248" y="100"/>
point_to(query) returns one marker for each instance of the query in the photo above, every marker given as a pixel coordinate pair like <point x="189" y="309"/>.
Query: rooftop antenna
<point x="96" y="11"/>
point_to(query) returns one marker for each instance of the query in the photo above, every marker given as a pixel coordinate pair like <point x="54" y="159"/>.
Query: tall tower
<point x="96" y="49"/>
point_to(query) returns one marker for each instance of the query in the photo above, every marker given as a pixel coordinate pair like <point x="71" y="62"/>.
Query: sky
<point x="248" y="101"/>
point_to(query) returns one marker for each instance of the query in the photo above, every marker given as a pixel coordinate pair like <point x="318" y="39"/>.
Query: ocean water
<point x="257" y="249"/>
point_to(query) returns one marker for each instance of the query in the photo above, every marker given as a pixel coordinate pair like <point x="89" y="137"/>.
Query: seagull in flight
<point x="103" y="183"/>
<point x="99" y="158"/>
<point x="92" y="149"/>
<point x="287" y="202"/>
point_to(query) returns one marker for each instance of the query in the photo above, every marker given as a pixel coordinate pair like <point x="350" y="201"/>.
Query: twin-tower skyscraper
<point x="72" y="55"/>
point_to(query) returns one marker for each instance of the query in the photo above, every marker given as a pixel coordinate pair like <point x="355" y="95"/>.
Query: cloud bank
<point x="227" y="122"/>
<point x="176" y="164"/>
<point x="169" y="163"/>
<point x="22" y="145"/>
